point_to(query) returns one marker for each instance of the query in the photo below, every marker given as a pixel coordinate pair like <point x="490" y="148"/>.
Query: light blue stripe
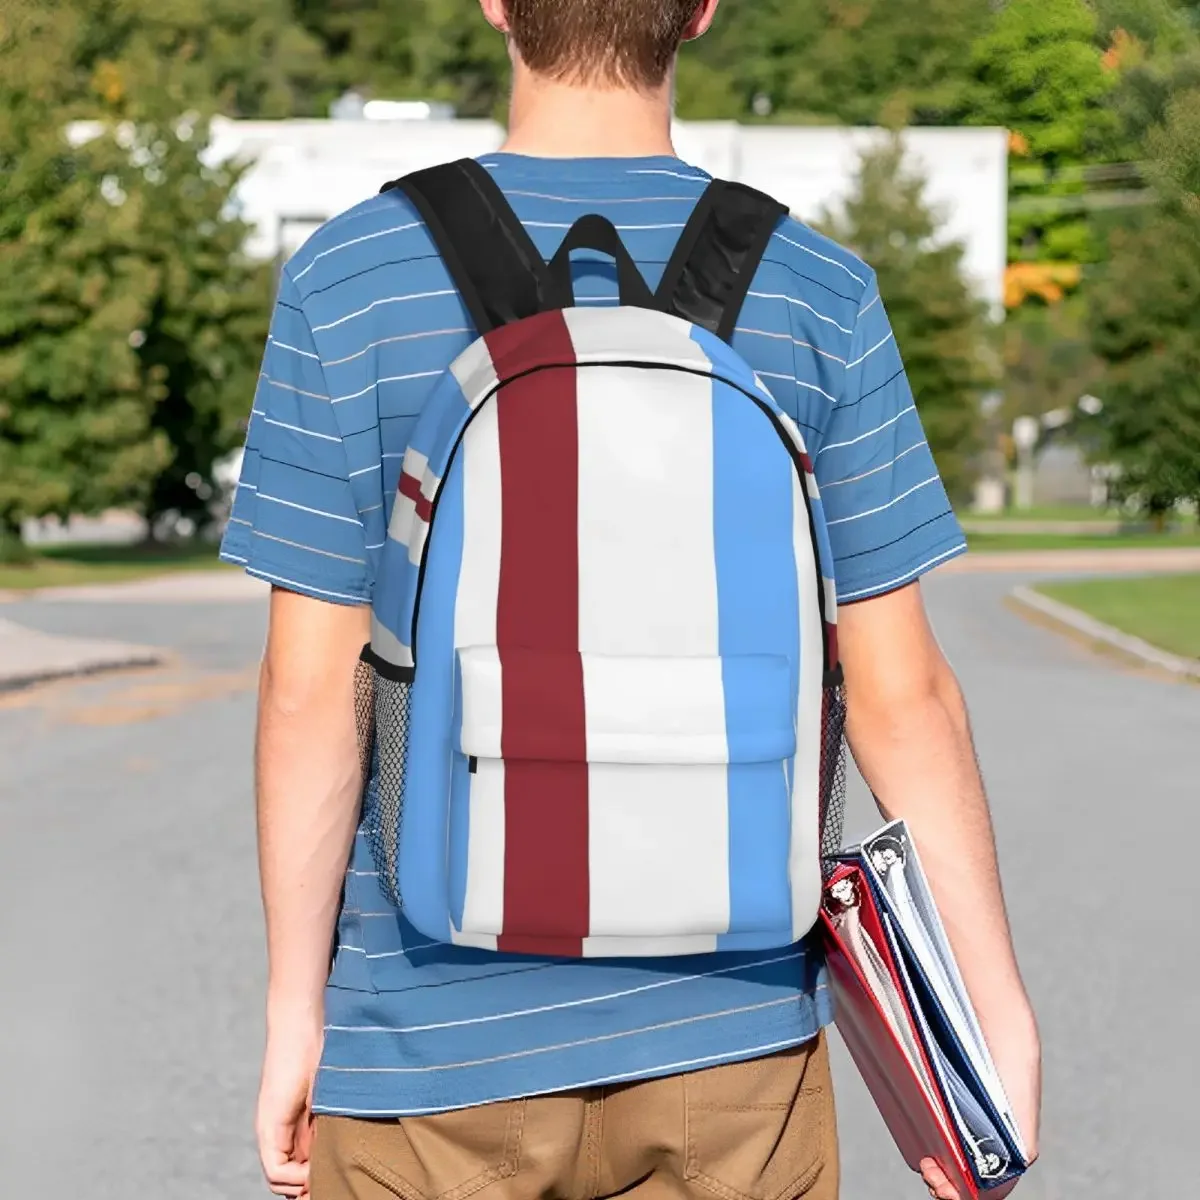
<point x="424" y="878"/>
<point x="758" y="613"/>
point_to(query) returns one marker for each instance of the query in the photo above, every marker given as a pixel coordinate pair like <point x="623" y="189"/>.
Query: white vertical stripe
<point x="652" y="947"/>
<point x="648" y="586"/>
<point x="483" y="912"/>
<point x="482" y="701"/>
<point x="655" y="710"/>
<point x="658" y="849"/>
<point x="647" y="570"/>
<point x="475" y="625"/>
<point x="634" y="335"/>
<point x="805" y="862"/>
<point x="475" y="941"/>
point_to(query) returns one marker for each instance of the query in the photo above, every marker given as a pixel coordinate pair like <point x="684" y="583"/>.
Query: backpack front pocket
<point x="619" y="799"/>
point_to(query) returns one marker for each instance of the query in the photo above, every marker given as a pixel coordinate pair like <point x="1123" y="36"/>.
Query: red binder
<point x="914" y="1113"/>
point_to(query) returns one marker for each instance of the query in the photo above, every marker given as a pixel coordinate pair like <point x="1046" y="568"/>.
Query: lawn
<point x="65" y="566"/>
<point x="1161" y="609"/>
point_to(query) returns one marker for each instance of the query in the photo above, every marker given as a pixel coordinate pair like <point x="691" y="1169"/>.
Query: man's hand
<point x="284" y="1118"/>
<point x="309" y="786"/>
<point x="911" y="738"/>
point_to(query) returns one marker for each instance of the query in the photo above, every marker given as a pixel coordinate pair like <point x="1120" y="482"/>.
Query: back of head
<point x="613" y="43"/>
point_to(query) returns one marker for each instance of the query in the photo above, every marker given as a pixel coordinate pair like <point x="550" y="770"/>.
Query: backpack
<point x="601" y="711"/>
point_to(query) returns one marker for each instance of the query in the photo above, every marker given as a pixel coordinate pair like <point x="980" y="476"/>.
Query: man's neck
<point x="549" y="119"/>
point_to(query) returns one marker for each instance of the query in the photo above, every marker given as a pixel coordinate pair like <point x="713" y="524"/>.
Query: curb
<point x="42" y="658"/>
<point x="1072" y="620"/>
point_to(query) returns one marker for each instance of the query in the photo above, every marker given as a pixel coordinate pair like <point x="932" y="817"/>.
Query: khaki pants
<point x="760" y="1130"/>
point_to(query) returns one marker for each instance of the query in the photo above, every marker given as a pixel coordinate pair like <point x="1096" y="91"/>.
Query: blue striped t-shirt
<point x="366" y="322"/>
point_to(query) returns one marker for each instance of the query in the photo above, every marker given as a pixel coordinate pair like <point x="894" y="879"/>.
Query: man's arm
<point x="309" y="785"/>
<point x="911" y="738"/>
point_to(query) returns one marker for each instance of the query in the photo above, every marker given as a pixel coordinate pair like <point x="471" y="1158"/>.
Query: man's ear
<point x="701" y="21"/>
<point x="495" y="12"/>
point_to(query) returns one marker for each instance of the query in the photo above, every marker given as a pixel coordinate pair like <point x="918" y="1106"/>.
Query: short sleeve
<point x="888" y="515"/>
<point x="294" y="521"/>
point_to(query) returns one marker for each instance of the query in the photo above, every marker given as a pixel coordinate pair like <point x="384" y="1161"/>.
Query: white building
<point x="305" y="172"/>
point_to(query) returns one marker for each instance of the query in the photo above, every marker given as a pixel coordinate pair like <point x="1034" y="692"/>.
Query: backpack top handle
<point x="502" y="277"/>
<point x="597" y="233"/>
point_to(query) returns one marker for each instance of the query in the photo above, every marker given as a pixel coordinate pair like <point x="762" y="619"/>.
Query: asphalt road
<point x="131" y="961"/>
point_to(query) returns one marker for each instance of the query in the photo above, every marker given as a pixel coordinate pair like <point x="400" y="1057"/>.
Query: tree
<point x="421" y="49"/>
<point x="1146" y="326"/>
<point x="75" y="404"/>
<point x="860" y="62"/>
<point x="244" y="60"/>
<point x="1049" y="362"/>
<point x="864" y="62"/>
<point x="129" y="322"/>
<point x="1040" y="72"/>
<point x="367" y="44"/>
<point x="942" y="329"/>
<point x="203" y="336"/>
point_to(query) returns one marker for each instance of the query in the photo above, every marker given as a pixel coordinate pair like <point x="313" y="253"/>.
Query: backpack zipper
<point x="832" y="675"/>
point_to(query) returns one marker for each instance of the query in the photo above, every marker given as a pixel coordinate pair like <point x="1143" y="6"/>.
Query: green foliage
<point x="368" y="44"/>
<point x="127" y="317"/>
<point x="941" y="328"/>
<point x="1048" y="358"/>
<point x="854" y="61"/>
<point x="75" y="431"/>
<point x="243" y="59"/>
<point x="1146" y="326"/>
<point x="205" y="330"/>
<point x="1040" y="72"/>
<point x="425" y="49"/>
<point x="858" y="62"/>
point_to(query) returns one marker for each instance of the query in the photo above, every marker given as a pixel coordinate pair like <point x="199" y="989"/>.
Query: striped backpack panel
<point x="606" y="712"/>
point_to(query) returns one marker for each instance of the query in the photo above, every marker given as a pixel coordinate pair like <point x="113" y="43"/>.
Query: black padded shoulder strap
<point x="490" y="256"/>
<point x="714" y="263"/>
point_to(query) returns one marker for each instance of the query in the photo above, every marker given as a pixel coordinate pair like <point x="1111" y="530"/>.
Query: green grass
<point x="66" y="566"/>
<point x="1080" y="541"/>
<point x="1161" y="609"/>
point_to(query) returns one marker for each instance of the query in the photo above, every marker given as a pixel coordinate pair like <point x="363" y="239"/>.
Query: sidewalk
<point x="28" y="656"/>
<point x="1131" y="561"/>
<point x="180" y="587"/>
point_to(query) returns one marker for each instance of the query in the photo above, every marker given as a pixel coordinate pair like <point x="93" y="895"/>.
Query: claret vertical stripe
<point x="546" y="804"/>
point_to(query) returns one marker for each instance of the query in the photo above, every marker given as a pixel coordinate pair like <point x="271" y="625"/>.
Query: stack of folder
<point x="907" y="1020"/>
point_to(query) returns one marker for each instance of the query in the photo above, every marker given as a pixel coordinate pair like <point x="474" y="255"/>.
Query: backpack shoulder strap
<point x="491" y="258"/>
<point x="715" y="261"/>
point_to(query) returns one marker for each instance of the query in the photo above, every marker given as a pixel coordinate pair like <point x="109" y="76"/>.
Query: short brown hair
<point x="623" y="42"/>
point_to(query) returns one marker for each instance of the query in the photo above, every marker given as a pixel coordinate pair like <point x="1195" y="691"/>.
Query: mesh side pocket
<point x="383" y="709"/>
<point x="833" y="771"/>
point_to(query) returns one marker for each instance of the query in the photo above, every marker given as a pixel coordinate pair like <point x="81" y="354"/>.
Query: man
<point x="439" y="1072"/>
